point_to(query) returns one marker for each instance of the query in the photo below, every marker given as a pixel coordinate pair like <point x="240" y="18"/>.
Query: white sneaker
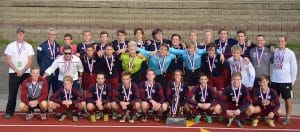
<point x="29" y="117"/>
<point x="43" y="116"/>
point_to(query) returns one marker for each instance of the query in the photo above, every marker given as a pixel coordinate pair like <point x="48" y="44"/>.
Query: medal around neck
<point x="178" y="118"/>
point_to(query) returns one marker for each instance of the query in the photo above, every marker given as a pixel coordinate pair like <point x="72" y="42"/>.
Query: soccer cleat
<point x="98" y="115"/>
<point x="135" y="116"/>
<point x="74" y="118"/>
<point x="271" y="123"/>
<point x="138" y="115"/>
<point x="29" y="116"/>
<point x="131" y="118"/>
<point x="57" y="115"/>
<point x="144" y="118"/>
<point x="123" y="119"/>
<point x="255" y="122"/>
<point x="114" y="115"/>
<point x="197" y="118"/>
<point x="220" y="118"/>
<point x="156" y="117"/>
<point x="93" y="118"/>
<point x="239" y="123"/>
<point x="208" y="119"/>
<point x="286" y="121"/>
<point x="105" y="117"/>
<point x="62" y="117"/>
<point x="229" y="122"/>
<point x="43" y="116"/>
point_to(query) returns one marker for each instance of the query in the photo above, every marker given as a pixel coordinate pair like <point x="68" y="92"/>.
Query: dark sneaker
<point x="156" y="117"/>
<point x="114" y="115"/>
<point x="144" y="118"/>
<point x="7" y="116"/>
<point x="239" y="124"/>
<point x="229" y="122"/>
<point x="132" y="118"/>
<point x="286" y="121"/>
<point x="62" y="117"/>
<point x="123" y="119"/>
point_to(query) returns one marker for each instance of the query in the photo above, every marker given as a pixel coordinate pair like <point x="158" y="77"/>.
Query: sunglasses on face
<point x="67" y="53"/>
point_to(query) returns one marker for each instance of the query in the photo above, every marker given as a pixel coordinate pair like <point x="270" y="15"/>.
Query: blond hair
<point x="236" y="48"/>
<point x="86" y="31"/>
<point x="132" y="43"/>
<point x="191" y="44"/>
<point x="193" y="32"/>
<point x="236" y="74"/>
<point x="34" y="68"/>
<point x="68" y="79"/>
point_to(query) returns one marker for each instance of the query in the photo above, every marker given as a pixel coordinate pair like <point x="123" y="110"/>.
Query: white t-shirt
<point x="19" y="54"/>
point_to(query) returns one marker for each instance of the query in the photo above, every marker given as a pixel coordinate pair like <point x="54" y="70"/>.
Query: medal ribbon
<point x="99" y="96"/>
<point x="236" y="96"/>
<point x="52" y="51"/>
<point x="161" y="66"/>
<point x="192" y="62"/>
<point x="127" y="96"/>
<point x="149" y="89"/>
<point x="259" y="57"/>
<point x="175" y="104"/>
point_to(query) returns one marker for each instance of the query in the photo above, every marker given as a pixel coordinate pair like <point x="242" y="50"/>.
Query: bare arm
<point x="10" y="64"/>
<point x="29" y="63"/>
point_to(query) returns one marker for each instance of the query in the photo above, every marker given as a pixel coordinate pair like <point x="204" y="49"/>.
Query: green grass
<point x="3" y="43"/>
<point x="294" y="46"/>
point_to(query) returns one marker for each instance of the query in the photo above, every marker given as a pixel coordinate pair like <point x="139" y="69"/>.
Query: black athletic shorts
<point x="283" y="89"/>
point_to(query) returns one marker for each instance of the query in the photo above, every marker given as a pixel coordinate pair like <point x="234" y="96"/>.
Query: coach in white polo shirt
<point x="19" y="56"/>
<point x="67" y="64"/>
<point x="284" y="74"/>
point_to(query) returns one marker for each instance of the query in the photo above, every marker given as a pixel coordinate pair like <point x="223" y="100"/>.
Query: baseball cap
<point x="20" y="29"/>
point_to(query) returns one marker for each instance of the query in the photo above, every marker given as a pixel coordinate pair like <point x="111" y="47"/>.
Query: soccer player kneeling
<point x="99" y="98"/>
<point x="34" y="94"/>
<point x="204" y="101"/>
<point x="178" y="96"/>
<point x="235" y="101"/>
<point x="265" y="103"/>
<point x="152" y="96"/>
<point x="67" y="100"/>
<point x="127" y="100"/>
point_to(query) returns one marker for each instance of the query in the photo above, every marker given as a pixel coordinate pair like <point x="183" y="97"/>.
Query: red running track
<point x="18" y="124"/>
